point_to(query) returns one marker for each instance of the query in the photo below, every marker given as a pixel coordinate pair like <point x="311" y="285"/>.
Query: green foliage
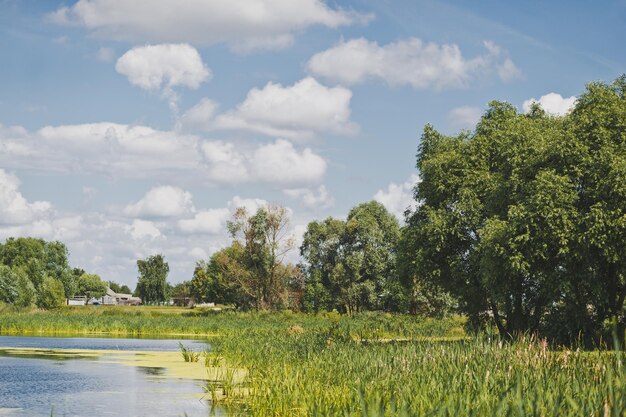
<point x="254" y="269"/>
<point x="524" y="217"/>
<point x="250" y="273"/>
<point x="25" y="262"/>
<point x="351" y="265"/>
<point x="39" y="258"/>
<point x="152" y="281"/>
<point x="26" y="293"/>
<point x="51" y="294"/>
<point x="8" y="285"/>
<point x="91" y="286"/>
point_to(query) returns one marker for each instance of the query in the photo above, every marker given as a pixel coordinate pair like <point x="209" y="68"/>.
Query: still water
<point x="41" y="385"/>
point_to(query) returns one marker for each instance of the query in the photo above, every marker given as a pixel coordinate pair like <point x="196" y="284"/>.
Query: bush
<point x="51" y="294"/>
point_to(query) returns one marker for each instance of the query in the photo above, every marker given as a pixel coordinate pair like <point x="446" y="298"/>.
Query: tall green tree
<point x="152" y="281"/>
<point x="39" y="258"/>
<point x="522" y="219"/>
<point x="351" y="265"/>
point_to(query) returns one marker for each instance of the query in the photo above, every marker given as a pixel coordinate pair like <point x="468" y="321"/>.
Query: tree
<point x="254" y="266"/>
<point x="523" y="218"/>
<point x="351" y="264"/>
<point x="181" y="290"/>
<point x="8" y="285"/>
<point x="51" y="294"/>
<point x="91" y="285"/>
<point x="119" y="289"/>
<point x="152" y="281"/>
<point x="38" y="258"/>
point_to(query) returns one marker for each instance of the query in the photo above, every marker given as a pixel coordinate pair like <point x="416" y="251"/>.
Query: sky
<point x="131" y="128"/>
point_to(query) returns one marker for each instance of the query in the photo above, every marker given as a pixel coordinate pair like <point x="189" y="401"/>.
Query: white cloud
<point x="312" y="198"/>
<point x="397" y="198"/>
<point x="153" y="67"/>
<point x="464" y="117"/>
<point x="296" y="111"/>
<point x="105" y="54"/>
<point x="126" y="151"/>
<point x="144" y="229"/>
<point x="280" y="162"/>
<point x="14" y="208"/>
<point x="163" y="201"/>
<point x="201" y="115"/>
<point x="250" y="204"/>
<point x="212" y="221"/>
<point x="257" y="24"/>
<point x="405" y="62"/>
<point x="198" y="253"/>
<point x="552" y="103"/>
<point x="508" y="71"/>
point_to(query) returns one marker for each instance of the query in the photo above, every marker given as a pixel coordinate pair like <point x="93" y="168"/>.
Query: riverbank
<point x="371" y="364"/>
<point x="179" y="322"/>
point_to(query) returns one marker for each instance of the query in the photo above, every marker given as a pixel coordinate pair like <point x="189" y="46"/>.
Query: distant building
<point x="111" y="298"/>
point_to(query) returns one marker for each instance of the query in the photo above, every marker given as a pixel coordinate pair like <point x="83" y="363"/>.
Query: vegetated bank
<point x="171" y="321"/>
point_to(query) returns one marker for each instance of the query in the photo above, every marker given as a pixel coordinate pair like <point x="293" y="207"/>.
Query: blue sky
<point x="134" y="128"/>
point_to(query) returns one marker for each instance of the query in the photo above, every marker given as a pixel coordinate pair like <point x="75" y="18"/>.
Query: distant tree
<point x="181" y="290"/>
<point x="8" y="285"/>
<point x="152" y="281"/>
<point x="124" y="289"/>
<point x="351" y="265"/>
<point x="51" y="294"/>
<point x="114" y="286"/>
<point x="91" y="286"/>
<point x="254" y="267"/>
<point x="38" y="258"/>
<point x="26" y="293"/>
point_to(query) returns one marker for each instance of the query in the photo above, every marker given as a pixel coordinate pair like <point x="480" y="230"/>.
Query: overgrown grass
<point x="329" y="373"/>
<point x="165" y="321"/>
<point x="367" y="365"/>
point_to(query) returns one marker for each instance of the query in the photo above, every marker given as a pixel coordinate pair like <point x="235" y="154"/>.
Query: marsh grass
<point x="188" y="354"/>
<point x="329" y="372"/>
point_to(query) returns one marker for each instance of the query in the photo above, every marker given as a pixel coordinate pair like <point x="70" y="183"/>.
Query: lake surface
<point x="36" y="385"/>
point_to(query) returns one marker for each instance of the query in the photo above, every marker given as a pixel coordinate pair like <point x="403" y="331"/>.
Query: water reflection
<point x="33" y="384"/>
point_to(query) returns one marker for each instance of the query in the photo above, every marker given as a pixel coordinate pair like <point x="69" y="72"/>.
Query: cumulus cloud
<point x="406" y="62"/>
<point x="126" y="151"/>
<point x="163" y="201"/>
<point x="259" y="24"/>
<point x="312" y="198"/>
<point x="552" y="103"/>
<point x="280" y="162"/>
<point x="143" y="229"/>
<point x="296" y="111"/>
<point x="277" y="162"/>
<point x="212" y="221"/>
<point x="153" y="67"/>
<point x="464" y="117"/>
<point x="201" y="115"/>
<point x="14" y="208"/>
<point x="250" y="204"/>
<point x="398" y="198"/>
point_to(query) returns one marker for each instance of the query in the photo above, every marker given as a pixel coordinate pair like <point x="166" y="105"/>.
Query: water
<point x="75" y="386"/>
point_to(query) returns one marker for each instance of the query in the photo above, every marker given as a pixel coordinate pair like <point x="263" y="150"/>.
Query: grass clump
<point x="188" y="354"/>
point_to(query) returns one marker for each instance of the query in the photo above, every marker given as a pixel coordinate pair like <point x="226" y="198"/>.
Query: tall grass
<point x="367" y="365"/>
<point x="326" y="372"/>
<point x="147" y="321"/>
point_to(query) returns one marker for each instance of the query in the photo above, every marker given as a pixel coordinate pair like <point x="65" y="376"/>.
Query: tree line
<point x="520" y="224"/>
